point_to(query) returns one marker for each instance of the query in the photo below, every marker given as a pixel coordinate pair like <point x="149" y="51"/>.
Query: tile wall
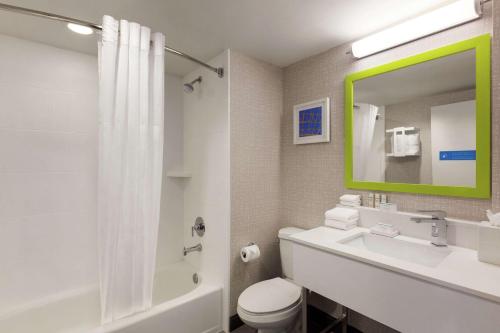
<point x="48" y="165"/>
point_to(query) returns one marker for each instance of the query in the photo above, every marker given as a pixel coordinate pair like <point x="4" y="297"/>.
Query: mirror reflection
<point x="417" y="125"/>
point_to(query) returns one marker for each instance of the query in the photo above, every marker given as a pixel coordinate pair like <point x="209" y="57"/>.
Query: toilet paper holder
<point x="249" y="256"/>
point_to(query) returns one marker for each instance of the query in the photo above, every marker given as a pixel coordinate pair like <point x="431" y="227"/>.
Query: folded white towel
<point x="340" y="225"/>
<point x="350" y="203"/>
<point x="494" y="218"/>
<point x="413" y="139"/>
<point x="353" y="201"/>
<point x="350" y="197"/>
<point x="413" y="150"/>
<point x="342" y="214"/>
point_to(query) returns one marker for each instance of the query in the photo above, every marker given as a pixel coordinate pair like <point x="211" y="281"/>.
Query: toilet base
<point x="293" y="327"/>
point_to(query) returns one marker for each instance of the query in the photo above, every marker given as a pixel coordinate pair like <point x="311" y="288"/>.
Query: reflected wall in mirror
<point x="412" y="125"/>
<point x="406" y="120"/>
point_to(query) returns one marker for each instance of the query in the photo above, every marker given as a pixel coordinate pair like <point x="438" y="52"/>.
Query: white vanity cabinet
<point x="393" y="296"/>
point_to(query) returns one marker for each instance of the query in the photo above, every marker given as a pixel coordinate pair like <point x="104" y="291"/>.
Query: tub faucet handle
<point x="197" y="248"/>
<point x="199" y="227"/>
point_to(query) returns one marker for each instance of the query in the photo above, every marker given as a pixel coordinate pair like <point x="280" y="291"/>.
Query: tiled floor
<point x="244" y="329"/>
<point x="317" y="322"/>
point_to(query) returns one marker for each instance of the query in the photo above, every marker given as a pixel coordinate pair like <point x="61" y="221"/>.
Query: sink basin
<point x="422" y="254"/>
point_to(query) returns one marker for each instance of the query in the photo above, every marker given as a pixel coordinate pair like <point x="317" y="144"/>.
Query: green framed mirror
<point x="422" y="124"/>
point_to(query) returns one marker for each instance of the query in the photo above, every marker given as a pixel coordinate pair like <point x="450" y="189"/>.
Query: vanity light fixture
<point x="451" y="15"/>
<point x="80" y="29"/>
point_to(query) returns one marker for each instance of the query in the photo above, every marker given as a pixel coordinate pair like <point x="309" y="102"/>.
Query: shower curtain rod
<point x="21" y="10"/>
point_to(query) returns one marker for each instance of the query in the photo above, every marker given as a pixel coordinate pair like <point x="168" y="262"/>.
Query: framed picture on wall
<point x="311" y="122"/>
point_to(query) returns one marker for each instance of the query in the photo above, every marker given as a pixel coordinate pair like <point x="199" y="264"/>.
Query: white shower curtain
<point x="364" y="127"/>
<point x="131" y="100"/>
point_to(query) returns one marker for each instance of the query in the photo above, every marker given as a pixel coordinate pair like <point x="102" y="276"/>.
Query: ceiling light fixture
<point x="80" y="29"/>
<point x="443" y="18"/>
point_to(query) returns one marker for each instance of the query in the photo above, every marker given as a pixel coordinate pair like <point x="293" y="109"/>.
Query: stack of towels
<point x="412" y="144"/>
<point x="352" y="200"/>
<point x="341" y="218"/>
<point x="494" y="218"/>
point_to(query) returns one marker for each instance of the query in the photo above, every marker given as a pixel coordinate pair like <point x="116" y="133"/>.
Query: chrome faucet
<point x="199" y="227"/>
<point x="196" y="248"/>
<point x="439" y="225"/>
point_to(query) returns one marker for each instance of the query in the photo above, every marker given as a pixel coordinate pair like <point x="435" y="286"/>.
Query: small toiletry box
<point x="489" y="243"/>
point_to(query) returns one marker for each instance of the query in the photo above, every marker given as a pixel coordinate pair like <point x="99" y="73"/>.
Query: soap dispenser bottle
<point x="371" y="201"/>
<point x="377" y="200"/>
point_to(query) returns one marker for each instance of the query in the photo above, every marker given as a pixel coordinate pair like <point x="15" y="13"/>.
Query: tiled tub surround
<point x="48" y="164"/>
<point x="48" y="175"/>
<point x="206" y="158"/>
<point x="312" y="176"/>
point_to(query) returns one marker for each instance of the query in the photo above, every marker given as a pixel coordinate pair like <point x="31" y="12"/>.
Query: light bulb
<point x="80" y="29"/>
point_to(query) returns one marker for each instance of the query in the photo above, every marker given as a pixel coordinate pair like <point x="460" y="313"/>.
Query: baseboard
<point x="317" y="320"/>
<point x="234" y="322"/>
<point x="216" y="329"/>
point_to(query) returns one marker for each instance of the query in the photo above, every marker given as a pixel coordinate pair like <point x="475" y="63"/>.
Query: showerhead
<point x="189" y="87"/>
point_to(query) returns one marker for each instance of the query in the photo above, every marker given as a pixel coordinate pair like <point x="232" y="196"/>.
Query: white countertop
<point x="460" y="270"/>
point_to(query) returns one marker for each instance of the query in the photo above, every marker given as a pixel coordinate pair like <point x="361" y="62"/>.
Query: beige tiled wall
<point x="495" y="93"/>
<point x="312" y="175"/>
<point x="275" y="185"/>
<point x="256" y="92"/>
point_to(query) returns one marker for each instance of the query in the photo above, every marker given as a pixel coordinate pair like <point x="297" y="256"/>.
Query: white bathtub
<point x="180" y="306"/>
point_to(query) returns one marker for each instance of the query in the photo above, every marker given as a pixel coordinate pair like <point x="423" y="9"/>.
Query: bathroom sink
<point x="422" y="254"/>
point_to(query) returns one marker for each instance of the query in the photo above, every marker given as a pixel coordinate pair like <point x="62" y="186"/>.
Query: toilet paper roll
<point x="249" y="253"/>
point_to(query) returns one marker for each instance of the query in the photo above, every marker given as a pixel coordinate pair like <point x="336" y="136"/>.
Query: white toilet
<point x="272" y="306"/>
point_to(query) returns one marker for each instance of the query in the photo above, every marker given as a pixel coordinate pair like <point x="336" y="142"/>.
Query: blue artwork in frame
<point x="312" y="122"/>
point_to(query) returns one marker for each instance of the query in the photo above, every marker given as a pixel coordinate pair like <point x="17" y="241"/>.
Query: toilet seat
<point x="276" y="318"/>
<point x="270" y="297"/>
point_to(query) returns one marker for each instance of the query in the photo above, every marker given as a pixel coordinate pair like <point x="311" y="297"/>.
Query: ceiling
<point x="451" y="73"/>
<point x="280" y="32"/>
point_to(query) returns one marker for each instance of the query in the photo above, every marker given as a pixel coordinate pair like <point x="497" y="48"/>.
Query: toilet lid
<point x="269" y="296"/>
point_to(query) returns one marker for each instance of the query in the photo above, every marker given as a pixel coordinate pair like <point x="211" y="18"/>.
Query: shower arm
<point x="21" y="10"/>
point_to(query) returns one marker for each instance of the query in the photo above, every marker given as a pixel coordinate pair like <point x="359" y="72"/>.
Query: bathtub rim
<point x="201" y="290"/>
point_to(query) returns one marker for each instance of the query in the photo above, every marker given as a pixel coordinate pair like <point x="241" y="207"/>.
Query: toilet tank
<point x="286" y="250"/>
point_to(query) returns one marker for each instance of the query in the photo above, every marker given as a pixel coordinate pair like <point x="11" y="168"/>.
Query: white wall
<point x="48" y="163"/>
<point x="206" y="153"/>
<point x="453" y="127"/>
<point x="375" y="166"/>
<point x="170" y="238"/>
<point x="48" y="173"/>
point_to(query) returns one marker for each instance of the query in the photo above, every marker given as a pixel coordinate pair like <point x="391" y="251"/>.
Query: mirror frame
<point x="481" y="45"/>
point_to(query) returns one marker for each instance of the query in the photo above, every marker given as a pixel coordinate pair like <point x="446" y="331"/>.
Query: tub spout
<point x="196" y="248"/>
